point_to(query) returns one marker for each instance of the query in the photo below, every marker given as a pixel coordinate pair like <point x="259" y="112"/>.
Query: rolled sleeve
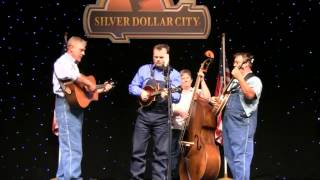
<point x="176" y="81"/>
<point x="135" y="87"/>
<point x="65" y="68"/>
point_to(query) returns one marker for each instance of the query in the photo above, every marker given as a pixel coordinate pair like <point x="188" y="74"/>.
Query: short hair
<point x="186" y="71"/>
<point x="248" y="57"/>
<point x="75" y="39"/>
<point x="161" y="46"/>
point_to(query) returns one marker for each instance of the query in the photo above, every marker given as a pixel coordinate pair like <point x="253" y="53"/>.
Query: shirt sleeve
<point x="66" y="69"/>
<point x="256" y="84"/>
<point x="135" y="87"/>
<point x="175" y="82"/>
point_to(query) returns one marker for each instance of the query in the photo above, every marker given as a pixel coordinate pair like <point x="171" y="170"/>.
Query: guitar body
<point x="78" y="96"/>
<point x="151" y="91"/>
<point x="223" y="99"/>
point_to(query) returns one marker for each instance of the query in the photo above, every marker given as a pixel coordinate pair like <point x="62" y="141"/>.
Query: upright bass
<point x="200" y="156"/>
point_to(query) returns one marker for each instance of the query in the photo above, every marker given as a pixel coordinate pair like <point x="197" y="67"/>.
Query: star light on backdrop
<point x="281" y="34"/>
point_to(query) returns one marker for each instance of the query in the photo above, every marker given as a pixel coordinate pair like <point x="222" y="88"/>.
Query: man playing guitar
<point x="70" y="118"/>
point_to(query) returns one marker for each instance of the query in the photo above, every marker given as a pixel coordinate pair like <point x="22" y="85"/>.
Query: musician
<point x="240" y="116"/>
<point x="152" y="120"/>
<point x="180" y="113"/>
<point x="70" y="118"/>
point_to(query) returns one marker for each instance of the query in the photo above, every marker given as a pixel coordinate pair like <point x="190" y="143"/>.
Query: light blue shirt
<point x="144" y="74"/>
<point x="65" y="68"/>
<point x="250" y="106"/>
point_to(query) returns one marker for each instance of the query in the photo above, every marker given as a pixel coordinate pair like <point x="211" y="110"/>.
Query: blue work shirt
<point x="145" y="73"/>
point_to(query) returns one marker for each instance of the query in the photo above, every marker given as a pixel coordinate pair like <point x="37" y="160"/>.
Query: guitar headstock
<point x="110" y="82"/>
<point x="107" y="85"/>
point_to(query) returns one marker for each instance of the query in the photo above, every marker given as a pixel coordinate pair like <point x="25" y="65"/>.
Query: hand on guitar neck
<point x="106" y="87"/>
<point x="100" y="88"/>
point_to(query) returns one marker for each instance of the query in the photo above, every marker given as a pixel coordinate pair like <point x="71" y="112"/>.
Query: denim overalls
<point x="238" y="136"/>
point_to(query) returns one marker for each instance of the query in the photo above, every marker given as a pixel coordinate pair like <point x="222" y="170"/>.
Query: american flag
<point x="223" y="78"/>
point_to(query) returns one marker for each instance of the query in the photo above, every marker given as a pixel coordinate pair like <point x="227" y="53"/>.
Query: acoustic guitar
<point x="153" y="92"/>
<point x="76" y="95"/>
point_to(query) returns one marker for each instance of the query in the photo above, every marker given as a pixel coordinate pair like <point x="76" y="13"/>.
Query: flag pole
<point x="225" y="176"/>
<point x="223" y="44"/>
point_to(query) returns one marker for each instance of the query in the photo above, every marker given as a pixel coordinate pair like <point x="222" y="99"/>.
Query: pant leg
<point x="250" y="146"/>
<point x="70" y="122"/>
<point x="239" y="147"/>
<point x="59" y="174"/>
<point x="226" y="145"/>
<point x="140" y="141"/>
<point x="160" y="136"/>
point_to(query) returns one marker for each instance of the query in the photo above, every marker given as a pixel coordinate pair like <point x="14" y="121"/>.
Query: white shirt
<point x="65" y="68"/>
<point x="182" y="105"/>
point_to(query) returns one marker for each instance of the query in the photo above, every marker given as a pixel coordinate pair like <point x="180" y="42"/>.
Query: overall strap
<point x="237" y="85"/>
<point x="248" y="76"/>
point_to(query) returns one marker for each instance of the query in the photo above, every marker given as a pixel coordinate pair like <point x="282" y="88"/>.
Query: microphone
<point x="166" y="60"/>
<point x="166" y="68"/>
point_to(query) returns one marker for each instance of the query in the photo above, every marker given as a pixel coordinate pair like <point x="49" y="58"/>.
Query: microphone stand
<point x="167" y="79"/>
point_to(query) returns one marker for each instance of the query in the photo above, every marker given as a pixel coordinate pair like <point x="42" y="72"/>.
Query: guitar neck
<point x="155" y="93"/>
<point x="100" y="86"/>
<point x="159" y="91"/>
